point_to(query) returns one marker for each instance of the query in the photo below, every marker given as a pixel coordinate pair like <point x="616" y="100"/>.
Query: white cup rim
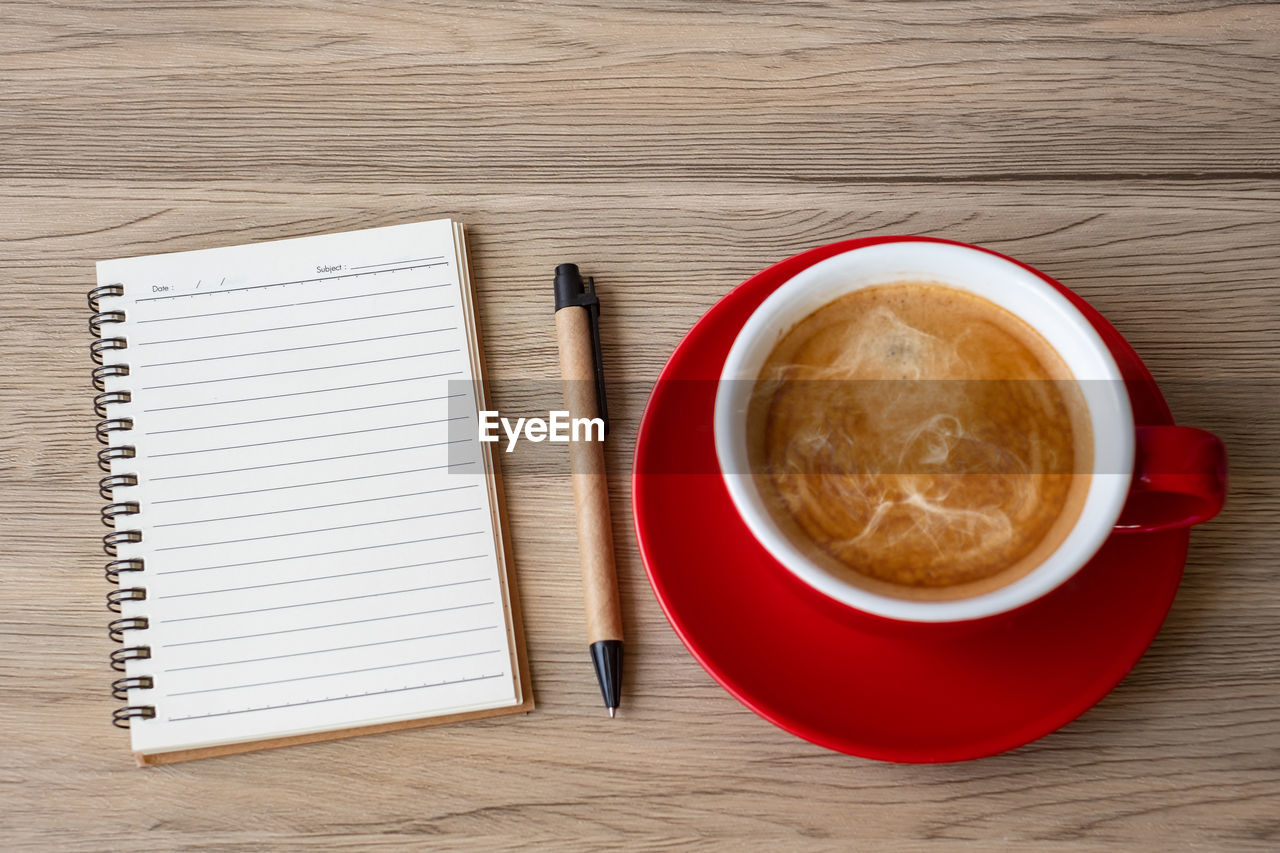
<point x="988" y="274"/>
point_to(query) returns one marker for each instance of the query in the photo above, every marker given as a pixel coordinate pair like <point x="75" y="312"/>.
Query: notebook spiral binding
<point x="116" y="512"/>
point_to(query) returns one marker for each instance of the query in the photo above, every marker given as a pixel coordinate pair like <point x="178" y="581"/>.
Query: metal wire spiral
<point x="114" y="511"/>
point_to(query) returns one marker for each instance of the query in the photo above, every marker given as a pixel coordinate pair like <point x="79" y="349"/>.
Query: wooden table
<point x="1130" y="149"/>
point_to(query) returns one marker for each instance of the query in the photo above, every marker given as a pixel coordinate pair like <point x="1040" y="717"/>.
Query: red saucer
<point x="857" y="683"/>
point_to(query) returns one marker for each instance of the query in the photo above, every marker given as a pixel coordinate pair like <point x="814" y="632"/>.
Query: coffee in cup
<point x="919" y="441"/>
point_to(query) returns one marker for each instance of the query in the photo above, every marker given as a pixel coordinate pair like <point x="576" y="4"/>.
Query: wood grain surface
<point x="1130" y="149"/>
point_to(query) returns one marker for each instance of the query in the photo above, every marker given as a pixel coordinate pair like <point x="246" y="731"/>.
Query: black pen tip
<point x="606" y="656"/>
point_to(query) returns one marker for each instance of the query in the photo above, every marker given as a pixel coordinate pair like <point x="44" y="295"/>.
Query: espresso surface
<point x="920" y="439"/>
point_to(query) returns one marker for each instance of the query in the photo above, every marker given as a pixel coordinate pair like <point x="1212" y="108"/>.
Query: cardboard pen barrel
<point x="590" y="488"/>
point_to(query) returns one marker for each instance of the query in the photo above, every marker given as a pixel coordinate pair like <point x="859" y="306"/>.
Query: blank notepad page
<point x="319" y="539"/>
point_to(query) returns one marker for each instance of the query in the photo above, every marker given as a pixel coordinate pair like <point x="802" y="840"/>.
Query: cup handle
<point x="1179" y="479"/>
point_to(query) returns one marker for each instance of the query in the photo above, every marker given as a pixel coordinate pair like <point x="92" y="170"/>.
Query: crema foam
<point x="921" y="441"/>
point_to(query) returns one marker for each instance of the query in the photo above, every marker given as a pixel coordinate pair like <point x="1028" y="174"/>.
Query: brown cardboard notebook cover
<point x="308" y="536"/>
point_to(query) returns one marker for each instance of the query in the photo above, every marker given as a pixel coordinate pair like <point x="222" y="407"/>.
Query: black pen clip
<point x="570" y="290"/>
<point x="593" y="308"/>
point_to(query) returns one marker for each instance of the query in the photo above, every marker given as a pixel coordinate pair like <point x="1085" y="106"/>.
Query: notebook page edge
<point x="502" y="533"/>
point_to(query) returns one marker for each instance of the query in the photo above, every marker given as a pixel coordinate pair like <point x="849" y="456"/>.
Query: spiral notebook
<point x="306" y="534"/>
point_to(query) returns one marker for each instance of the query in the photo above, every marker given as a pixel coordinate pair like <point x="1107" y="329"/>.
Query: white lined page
<point x="317" y="526"/>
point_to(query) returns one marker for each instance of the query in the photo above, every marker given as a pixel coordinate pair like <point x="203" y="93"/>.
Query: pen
<point x="578" y="334"/>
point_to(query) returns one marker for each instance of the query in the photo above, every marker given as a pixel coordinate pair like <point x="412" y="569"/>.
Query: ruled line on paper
<point x="316" y="280"/>
<point x="314" y="578"/>
<point x="310" y="370"/>
<point x="329" y="625"/>
<point x="393" y="263"/>
<point x="307" y="437"/>
<point x="340" y="698"/>
<point x="347" y="598"/>
<point x="322" y="553"/>
<point x="292" y="349"/>
<point x="334" y="649"/>
<point x="189" y="338"/>
<point x="293" y="304"/>
<point x="328" y="482"/>
<point x="317" y="506"/>
<point x="317" y="530"/>
<point x="298" y="393"/>
<point x="314" y="676"/>
<point x="304" y="415"/>
<point x="308" y="462"/>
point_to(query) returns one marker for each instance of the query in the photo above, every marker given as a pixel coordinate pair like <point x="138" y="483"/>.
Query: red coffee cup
<point x="1143" y="478"/>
